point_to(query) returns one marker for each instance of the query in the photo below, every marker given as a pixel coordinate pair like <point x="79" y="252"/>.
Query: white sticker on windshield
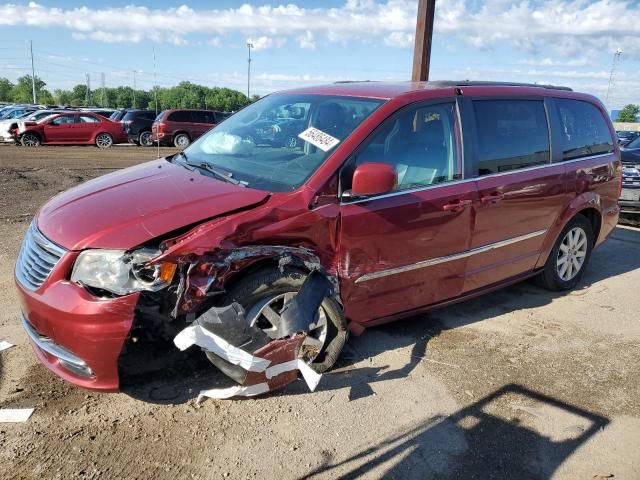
<point x="318" y="138"/>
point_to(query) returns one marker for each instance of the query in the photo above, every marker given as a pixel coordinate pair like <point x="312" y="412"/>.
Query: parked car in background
<point x="137" y="125"/>
<point x="625" y="136"/>
<point x="400" y="198"/>
<point x="73" y="128"/>
<point x="630" y="195"/>
<point x="104" y="112"/>
<point x="181" y="127"/>
<point x="27" y="119"/>
<point x="279" y="127"/>
<point x="15" y="112"/>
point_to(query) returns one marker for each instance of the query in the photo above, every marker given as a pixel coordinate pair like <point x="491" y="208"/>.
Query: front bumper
<point x="75" y="335"/>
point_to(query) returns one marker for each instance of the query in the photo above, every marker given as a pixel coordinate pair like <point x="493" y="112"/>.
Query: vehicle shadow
<point x="181" y="375"/>
<point x="477" y="442"/>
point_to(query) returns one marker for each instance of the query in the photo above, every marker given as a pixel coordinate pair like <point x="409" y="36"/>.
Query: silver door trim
<point x="449" y="258"/>
<point x="468" y="180"/>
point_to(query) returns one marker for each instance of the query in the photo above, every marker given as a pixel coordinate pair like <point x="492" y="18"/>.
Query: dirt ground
<point x="518" y="384"/>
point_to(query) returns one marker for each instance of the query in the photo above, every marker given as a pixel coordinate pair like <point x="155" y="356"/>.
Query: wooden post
<point x="424" y="35"/>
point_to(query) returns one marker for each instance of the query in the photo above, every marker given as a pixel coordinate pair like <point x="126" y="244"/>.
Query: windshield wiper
<point x="218" y="172"/>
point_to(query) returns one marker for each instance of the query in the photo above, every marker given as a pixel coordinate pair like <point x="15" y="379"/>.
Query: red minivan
<point x="181" y="127"/>
<point x="398" y="198"/>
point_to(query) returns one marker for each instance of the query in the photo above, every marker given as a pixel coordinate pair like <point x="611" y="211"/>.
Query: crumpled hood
<point x="126" y="208"/>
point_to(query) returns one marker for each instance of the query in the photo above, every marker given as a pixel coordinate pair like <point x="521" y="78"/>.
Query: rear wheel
<point x="145" y="140"/>
<point x="263" y="295"/>
<point x="181" y="140"/>
<point x="30" y="140"/>
<point x="104" y="140"/>
<point x="568" y="259"/>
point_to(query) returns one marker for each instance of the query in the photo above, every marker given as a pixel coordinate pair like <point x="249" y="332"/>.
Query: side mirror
<point x="373" y="178"/>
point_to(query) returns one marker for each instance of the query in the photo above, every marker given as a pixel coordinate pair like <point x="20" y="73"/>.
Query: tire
<point x="30" y="140"/>
<point x="259" y="287"/>
<point x="181" y="140"/>
<point x="104" y="140"/>
<point x="145" y="139"/>
<point x="575" y="242"/>
<point x="292" y="142"/>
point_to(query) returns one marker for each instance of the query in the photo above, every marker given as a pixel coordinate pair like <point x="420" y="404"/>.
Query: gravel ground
<point x="521" y="383"/>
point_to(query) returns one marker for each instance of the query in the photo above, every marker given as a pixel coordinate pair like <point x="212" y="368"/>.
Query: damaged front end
<point x="197" y="309"/>
<point x="246" y="354"/>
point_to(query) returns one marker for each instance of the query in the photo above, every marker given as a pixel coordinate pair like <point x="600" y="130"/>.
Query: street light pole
<point x="249" y="46"/>
<point x="134" y="88"/>
<point x="33" y="74"/>
<point x="424" y="36"/>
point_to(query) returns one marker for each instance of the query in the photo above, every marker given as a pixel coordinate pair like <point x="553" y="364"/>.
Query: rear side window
<point x="180" y="116"/>
<point x="88" y="119"/>
<point x="512" y="134"/>
<point x="203" y="117"/>
<point x="584" y="130"/>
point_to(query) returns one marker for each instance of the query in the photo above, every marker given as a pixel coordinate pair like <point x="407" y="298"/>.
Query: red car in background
<point x="73" y="128"/>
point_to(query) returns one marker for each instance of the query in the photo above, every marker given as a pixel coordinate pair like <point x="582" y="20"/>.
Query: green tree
<point x="628" y="114"/>
<point x="5" y="90"/>
<point x="22" y="91"/>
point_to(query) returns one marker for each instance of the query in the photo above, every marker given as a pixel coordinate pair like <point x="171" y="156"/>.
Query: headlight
<point x="122" y="272"/>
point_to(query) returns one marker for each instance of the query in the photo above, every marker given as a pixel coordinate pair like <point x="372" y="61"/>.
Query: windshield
<point x="276" y="143"/>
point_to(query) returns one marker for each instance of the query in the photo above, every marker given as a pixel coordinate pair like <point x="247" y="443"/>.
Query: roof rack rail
<point x="471" y="83"/>
<point x="354" y="81"/>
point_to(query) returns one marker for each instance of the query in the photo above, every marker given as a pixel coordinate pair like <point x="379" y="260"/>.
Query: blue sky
<point x="569" y="42"/>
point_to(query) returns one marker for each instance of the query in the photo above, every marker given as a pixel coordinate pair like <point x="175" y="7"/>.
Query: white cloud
<point x="215" y="42"/>
<point x="399" y="39"/>
<point x="264" y="42"/>
<point x="569" y="27"/>
<point x="307" y="41"/>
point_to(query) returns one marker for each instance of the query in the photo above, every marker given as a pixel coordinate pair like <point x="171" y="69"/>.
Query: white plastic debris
<point x="202" y="337"/>
<point x="196" y="335"/>
<point x="311" y="377"/>
<point x="235" y="391"/>
<point x="15" y="415"/>
<point x="4" y="345"/>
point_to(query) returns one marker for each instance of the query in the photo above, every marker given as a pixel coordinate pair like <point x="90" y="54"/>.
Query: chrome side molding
<point x="448" y="258"/>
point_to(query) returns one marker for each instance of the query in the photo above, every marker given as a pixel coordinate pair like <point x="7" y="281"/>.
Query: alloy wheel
<point x="266" y="315"/>
<point x="104" y="140"/>
<point x="145" y="139"/>
<point x="30" y="140"/>
<point x="182" y="141"/>
<point x="571" y="254"/>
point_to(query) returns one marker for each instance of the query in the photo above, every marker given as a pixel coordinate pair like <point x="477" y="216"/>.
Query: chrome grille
<point x="37" y="258"/>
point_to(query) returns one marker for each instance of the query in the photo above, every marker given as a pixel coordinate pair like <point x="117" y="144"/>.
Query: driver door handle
<point x="456" y="205"/>
<point x="492" y="198"/>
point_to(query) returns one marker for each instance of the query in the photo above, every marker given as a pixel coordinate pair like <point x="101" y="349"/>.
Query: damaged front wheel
<point x="263" y="295"/>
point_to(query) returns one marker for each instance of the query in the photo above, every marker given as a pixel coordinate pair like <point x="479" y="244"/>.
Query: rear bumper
<point x="630" y="201"/>
<point x="75" y="335"/>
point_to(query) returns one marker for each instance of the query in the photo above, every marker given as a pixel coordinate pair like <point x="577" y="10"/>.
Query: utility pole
<point x="104" y="93"/>
<point x="134" y="88"/>
<point x="88" y="97"/>
<point x="249" y="46"/>
<point x="614" y="65"/>
<point x="33" y="73"/>
<point x="424" y="37"/>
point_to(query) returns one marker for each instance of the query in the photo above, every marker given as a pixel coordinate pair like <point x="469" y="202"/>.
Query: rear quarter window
<point x="512" y="134"/>
<point x="584" y="130"/>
